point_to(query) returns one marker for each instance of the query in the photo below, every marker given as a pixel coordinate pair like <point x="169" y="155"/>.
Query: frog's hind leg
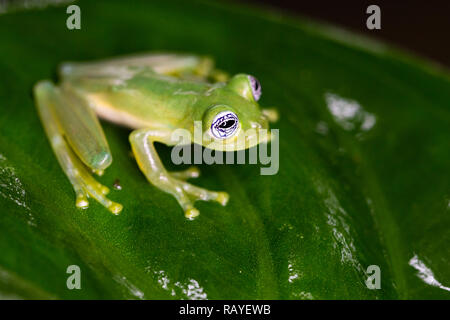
<point x="200" y="67"/>
<point x="77" y="141"/>
<point x="183" y="66"/>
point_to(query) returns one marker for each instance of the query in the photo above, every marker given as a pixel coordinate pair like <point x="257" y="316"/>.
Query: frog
<point x="152" y="94"/>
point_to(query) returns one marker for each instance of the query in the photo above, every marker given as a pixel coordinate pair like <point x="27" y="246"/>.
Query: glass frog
<point x="152" y="94"/>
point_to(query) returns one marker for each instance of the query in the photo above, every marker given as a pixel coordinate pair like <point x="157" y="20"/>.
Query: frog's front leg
<point x="77" y="140"/>
<point x="148" y="160"/>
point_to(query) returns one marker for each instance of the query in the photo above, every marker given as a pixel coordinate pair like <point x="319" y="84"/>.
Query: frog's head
<point x="236" y="122"/>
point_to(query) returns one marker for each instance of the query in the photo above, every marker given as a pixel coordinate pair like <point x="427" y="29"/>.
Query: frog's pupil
<point x="227" y="124"/>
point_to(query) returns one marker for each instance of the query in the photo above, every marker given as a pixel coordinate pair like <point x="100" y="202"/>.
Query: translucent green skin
<point x="154" y="94"/>
<point x="152" y="100"/>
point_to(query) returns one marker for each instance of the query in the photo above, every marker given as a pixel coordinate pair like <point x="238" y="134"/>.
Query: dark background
<point x="421" y="27"/>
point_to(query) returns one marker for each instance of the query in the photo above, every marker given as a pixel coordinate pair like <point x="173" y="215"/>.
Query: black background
<point x="421" y="27"/>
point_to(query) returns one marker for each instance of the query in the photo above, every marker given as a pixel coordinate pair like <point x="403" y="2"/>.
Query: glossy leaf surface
<point x="363" y="176"/>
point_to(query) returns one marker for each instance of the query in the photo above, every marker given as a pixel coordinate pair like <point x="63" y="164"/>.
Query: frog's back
<point x="137" y="96"/>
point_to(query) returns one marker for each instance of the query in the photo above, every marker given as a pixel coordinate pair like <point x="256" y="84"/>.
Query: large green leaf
<point x="363" y="179"/>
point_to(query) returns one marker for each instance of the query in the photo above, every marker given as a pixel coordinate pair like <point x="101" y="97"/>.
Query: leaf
<point x="363" y="167"/>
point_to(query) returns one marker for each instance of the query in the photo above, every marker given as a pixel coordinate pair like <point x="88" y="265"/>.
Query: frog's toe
<point x="271" y="114"/>
<point x="98" y="172"/>
<point x="191" y="172"/>
<point x="82" y="201"/>
<point x="191" y="213"/>
<point x="222" y="198"/>
<point x="115" y="207"/>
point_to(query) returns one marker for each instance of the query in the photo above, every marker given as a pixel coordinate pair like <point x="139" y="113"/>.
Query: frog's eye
<point x="224" y="125"/>
<point x="256" y="87"/>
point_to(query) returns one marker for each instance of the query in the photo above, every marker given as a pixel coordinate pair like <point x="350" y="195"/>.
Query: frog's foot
<point x="83" y="183"/>
<point x="205" y="69"/>
<point x="187" y="194"/>
<point x="218" y="75"/>
<point x="86" y="186"/>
